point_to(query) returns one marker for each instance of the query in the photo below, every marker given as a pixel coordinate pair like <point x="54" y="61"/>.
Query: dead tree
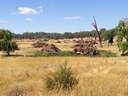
<point x="97" y="32"/>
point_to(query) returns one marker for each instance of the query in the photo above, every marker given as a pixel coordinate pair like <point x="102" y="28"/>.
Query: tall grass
<point x="97" y="76"/>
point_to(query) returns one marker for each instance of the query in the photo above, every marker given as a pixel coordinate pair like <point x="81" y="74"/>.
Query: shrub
<point x="63" y="79"/>
<point x="123" y="46"/>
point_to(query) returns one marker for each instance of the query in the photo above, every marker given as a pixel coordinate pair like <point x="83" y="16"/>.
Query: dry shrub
<point x="64" y="78"/>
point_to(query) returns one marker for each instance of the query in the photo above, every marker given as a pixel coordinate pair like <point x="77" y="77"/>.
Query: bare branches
<point x="97" y="32"/>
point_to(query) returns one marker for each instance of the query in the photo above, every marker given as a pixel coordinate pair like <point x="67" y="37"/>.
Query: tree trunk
<point x="95" y="36"/>
<point x="108" y="43"/>
<point x="97" y="32"/>
<point x="8" y="54"/>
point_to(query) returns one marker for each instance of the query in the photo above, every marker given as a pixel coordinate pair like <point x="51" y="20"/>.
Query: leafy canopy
<point x="122" y="35"/>
<point x="6" y="41"/>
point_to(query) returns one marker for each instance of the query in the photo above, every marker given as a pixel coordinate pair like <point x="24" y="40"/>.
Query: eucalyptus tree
<point x="108" y="35"/>
<point x="6" y="42"/>
<point x="122" y="35"/>
<point x="97" y="32"/>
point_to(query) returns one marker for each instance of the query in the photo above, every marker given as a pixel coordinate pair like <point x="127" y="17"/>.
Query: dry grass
<point x="98" y="76"/>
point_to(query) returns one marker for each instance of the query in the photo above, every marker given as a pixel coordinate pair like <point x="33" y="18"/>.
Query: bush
<point x="123" y="46"/>
<point x="103" y="53"/>
<point x="63" y="79"/>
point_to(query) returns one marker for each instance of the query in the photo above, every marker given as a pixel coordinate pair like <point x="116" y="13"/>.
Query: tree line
<point x="66" y="35"/>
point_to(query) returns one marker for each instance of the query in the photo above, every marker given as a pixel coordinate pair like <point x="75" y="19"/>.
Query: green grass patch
<point x="46" y="54"/>
<point x="104" y="53"/>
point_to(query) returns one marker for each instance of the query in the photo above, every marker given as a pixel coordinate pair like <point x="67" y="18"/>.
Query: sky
<point x="20" y="16"/>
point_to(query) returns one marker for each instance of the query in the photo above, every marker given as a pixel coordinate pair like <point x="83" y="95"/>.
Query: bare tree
<point x="97" y="31"/>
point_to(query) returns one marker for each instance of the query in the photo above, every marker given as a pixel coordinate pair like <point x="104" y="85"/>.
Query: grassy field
<point x="98" y="76"/>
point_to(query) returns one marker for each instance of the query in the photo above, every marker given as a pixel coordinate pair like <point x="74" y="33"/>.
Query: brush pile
<point x="85" y="41"/>
<point x="39" y="44"/>
<point x="86" y="48"/>
<point x="50" y="48"/>
<point x="46" y="47"/>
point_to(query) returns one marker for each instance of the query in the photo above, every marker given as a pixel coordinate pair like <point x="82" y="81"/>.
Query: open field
<point x="65" y="45"/>
<point x="63" y="48"/>
<point x="98" y="76"/>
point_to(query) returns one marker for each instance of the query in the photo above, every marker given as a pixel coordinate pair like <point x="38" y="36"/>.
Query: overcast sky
<point x="60" y="15"/>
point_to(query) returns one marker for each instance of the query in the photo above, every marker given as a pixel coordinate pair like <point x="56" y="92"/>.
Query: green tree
<point x="6" y="43"/>
<point x="122" y="35"/>
<point x="108" y="35"/>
